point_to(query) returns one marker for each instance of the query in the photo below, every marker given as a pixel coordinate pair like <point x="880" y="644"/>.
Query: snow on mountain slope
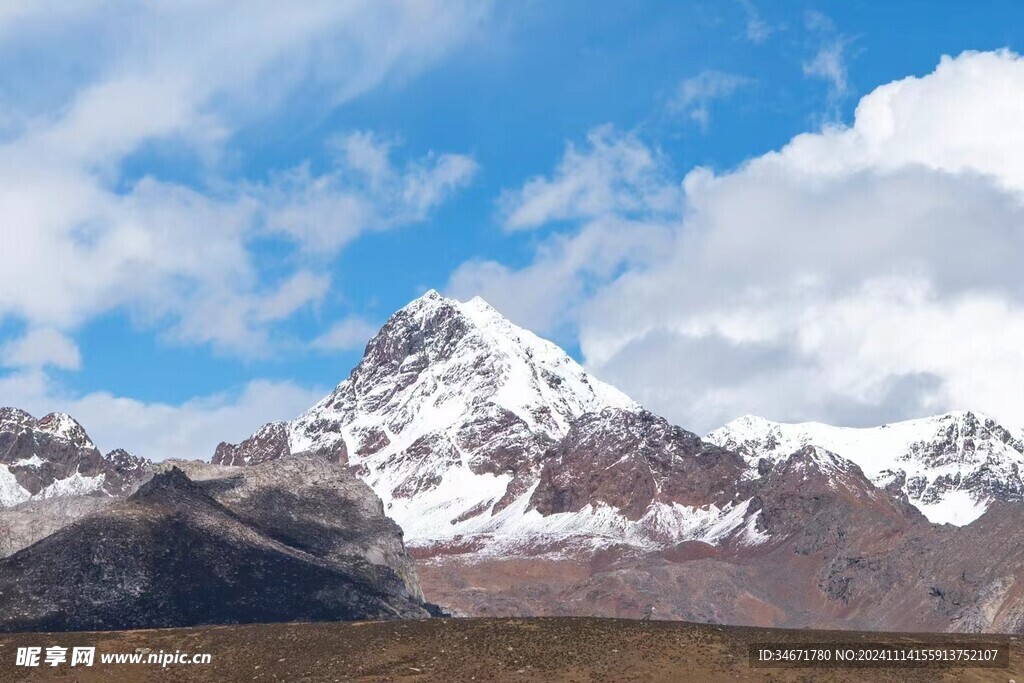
<point x="66" y="428"/>
<point x="951" y="466"/>
<point x="53" y="456"/>
<point x="11" y="492"/>
<point x="449" y="417"/>
<point x="448" y="414"/>
<point x="438" y="359"/>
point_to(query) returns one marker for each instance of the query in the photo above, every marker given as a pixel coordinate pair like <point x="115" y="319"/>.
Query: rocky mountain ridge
<point x="527" y="487"/>
<point x="952" y="467"/>
<point x="524" y="486"/>
<point x="54" y="457"/>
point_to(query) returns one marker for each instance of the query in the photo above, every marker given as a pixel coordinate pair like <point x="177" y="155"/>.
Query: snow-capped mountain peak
<point x="66" y="428"/>
<point x="452" y="415"/>
<point x="437" y="360"/>
<point x="54" y="456"/>
<point x="950" y="466"/>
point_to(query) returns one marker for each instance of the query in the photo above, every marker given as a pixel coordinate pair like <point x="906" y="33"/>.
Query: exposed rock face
<point x="28" y="522"/>
<point x="838" y="553"/>
<point x="53" y="456"/>
<point x="951" y="467"/>
<point x="448" y="418"/>
<point x="172" y="554"/>
<point x="313" y="504"/>
<point x="476" y="433"/>
<point x="631" y="460"/>
<point x="269" y="443"/>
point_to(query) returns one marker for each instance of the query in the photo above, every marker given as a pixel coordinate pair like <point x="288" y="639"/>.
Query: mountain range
<point x="522" y="485"/>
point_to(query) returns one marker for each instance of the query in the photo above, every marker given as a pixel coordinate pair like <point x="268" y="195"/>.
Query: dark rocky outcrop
<point x="270" y="442"/>
<point x="239" y="549"/>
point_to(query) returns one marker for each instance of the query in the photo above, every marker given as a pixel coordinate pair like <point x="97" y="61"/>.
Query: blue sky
<point x="211" y="207"/>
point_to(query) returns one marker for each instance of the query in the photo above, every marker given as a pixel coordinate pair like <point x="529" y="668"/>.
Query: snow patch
<point x="11" y="492"/>
<point x="75" y="485"/>
<point x="956" y="507"/>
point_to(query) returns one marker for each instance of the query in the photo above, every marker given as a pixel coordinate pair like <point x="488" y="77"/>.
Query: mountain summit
<point x="454" y="417"/>
<point x="54" y="457"/>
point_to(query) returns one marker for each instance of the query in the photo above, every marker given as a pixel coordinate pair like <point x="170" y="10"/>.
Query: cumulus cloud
<point x="694" y="96"/>
<point x="82" y="236"/>
<point x="39" y="348"/>
<point x="621" y="194"/>
<point x="860" y="274"/>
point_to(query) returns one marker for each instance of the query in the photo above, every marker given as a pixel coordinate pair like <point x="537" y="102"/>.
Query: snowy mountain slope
<point x="438" y="359"/>
<point x="951" y="466"/>
<point x="54" y="457"/>
<point x="450" y="417"/>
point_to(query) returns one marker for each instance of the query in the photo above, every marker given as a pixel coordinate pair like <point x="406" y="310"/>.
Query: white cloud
<point x="41" y="347"/>
<point x="365" y="191"/>
<point x="694" y="95"/>
<point x="829" y="61"/>
<point x="758" y="30"/>
<point x="615" y="174"/>
<point x="348" y="334"/>
<point x="545" y="296"/>
<point x="858" y="275"/>
<point x="620" y="192"/>
<point x="161" y="430"/>
<point x="81" y="239"/>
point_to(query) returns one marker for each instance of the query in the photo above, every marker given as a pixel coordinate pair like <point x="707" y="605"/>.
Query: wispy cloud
<point x="365" y="190"/>
<point x="621" y="195"/>
<point x="758" y="30"/>
<point x="614" y="173"/>
<point x="694" y="96"/>
<point x="829" y="61"/>
<point x="82" y="237"/>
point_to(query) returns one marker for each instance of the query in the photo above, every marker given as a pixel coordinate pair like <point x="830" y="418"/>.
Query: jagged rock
<point x="53" y="456"/>
<point x="914" y="456"/>
<point x="631" y="460"/>
<point x="171" y="554"/>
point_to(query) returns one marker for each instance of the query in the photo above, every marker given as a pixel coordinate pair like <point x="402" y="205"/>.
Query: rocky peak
<point x="445" y="417"/>
<point x="169" y="485"/>
<point x="270" y="442"/>
<point x="950" y="466"/>
<point x="442" y="352"/>
<point x="66" y="428"/>
<point x="54" y="457"/>
<point x="122" y="459"/>
<point x="15" y="420"/>
<point x="821" y="499"/>
<point x="814" y="468"/>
